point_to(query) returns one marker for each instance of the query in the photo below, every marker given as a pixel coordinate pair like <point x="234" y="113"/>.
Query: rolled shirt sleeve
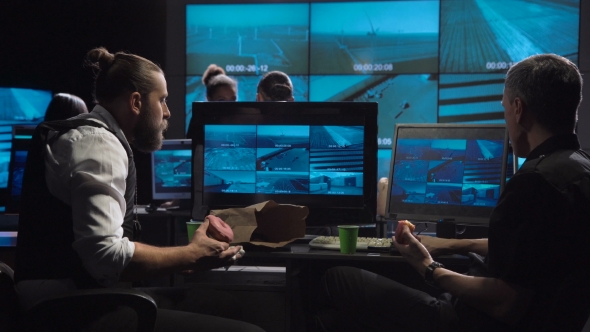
<point x="86" y="168"/>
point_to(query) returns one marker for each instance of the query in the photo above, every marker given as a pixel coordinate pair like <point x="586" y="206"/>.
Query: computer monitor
<point x="447" y="172"/>
<point x="171" y="170"/>
<point x="318" y="154"/>
<point x="18" y="106"/>
<point x="21" y="141"/>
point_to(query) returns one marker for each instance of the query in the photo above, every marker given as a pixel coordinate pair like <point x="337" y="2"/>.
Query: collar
<point x="554" y="143"/>
<point x="101" y="114"/>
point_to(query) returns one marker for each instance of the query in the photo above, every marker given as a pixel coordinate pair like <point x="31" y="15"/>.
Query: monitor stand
<point x="446" y="228"/>
<point x="185" y="204"/>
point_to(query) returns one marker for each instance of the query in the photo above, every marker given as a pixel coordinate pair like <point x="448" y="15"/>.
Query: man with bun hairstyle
<point x="78" y="227"/>
<point x="534" y="275"/>
<point x="275" y="86"/>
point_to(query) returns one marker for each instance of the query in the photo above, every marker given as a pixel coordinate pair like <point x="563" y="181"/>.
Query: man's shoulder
<point x="561" y="168"/>
<point x="82" y="129"/>
<point x="91" y="135"/>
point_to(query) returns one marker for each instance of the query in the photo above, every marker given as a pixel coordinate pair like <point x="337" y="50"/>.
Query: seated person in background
<point x="536" y="257"/>
<point x="275" y="86"/>
<point x="64" y="106"/>
<point x="77" y="226"/>
<point x="220" y="87"/>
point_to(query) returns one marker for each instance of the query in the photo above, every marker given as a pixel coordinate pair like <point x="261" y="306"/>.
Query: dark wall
<point x="43" y="44"/>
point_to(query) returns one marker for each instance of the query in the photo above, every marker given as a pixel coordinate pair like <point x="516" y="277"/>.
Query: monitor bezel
<point x="292" y="113"/>
<point x="172" y="195"/>
<point x="465" y="215"/>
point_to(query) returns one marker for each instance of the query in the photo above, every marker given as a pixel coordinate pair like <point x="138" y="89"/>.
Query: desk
<point x="304" y="268"/>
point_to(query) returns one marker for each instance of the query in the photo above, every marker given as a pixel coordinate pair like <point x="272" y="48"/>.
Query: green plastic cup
<point x="348" y="235"/>
<point x="191" y="227"/>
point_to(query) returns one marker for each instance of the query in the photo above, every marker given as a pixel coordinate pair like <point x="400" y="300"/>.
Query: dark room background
<point x="43" y="45"/>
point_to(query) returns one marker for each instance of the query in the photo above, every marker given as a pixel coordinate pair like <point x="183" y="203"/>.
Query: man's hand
<point x="414" y="252"/>
<point x="211" y="253"/>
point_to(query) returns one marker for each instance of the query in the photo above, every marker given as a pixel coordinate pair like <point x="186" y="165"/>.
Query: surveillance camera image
<point x="172" y="169"/>
<point x="230" y="148"/>
<point x="236" y="182"/>
<point x="22" y="106"/>
<point x="336" y="183"/>
<point x="283" y="136"/>
<point x="374" y="37"/>
<point x="401" y="98"/>
<point x="282" y="182"/>
<point x="470" y="98"/>
<point x="284" y="159"/>
<point x="447" y="171"/>
<point x="492" y="35"/>
<point x="247" y="39"/>
<point x="18" y="106"/>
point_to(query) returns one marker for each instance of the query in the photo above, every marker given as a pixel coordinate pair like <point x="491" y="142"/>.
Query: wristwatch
<point x="429" y="273"/>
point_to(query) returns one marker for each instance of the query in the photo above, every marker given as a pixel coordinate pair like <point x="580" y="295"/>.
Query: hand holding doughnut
<point x="219" y="230"/>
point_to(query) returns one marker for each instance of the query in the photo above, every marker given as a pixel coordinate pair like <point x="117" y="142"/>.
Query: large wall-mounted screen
<point x="422" y="61"/>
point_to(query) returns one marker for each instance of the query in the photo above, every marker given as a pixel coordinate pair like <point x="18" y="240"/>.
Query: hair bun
<point x="212" y="71"/>
<point x="280" y="92"/>
<point x="100" y="58"/>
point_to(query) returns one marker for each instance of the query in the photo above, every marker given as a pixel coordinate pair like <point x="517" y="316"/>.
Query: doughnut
<point x="399" y="229"/>
<point x="219" y="230"/>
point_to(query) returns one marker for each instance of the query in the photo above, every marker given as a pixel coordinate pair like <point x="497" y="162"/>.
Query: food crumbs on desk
<point x="373" y="254"/>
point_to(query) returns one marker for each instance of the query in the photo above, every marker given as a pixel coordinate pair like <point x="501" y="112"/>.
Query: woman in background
<point x="275" y="86"/>
<point x="64" y="106"/>
<point x="220" y="87"/>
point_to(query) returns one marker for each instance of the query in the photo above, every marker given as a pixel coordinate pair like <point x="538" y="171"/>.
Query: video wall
<point x="423" y="61"/>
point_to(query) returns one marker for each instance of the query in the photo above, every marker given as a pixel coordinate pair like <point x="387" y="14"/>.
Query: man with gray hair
<point x="535" y="271"/>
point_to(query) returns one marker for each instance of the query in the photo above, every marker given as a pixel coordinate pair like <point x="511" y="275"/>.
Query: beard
<point x="148" y="134"/>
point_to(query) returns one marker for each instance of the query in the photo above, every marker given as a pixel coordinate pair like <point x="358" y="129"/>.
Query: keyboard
<point x="362" y="243"/>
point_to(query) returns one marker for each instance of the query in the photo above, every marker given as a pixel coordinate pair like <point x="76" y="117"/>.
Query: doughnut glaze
<point x="219" y="230"/>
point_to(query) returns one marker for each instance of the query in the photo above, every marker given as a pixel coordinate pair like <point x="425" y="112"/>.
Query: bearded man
<point x="78" y="227"/>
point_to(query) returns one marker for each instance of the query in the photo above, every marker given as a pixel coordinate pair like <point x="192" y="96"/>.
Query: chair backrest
<point x="90" y="304"/>
<point x="9" y="311"/>
<point x="61" y="307"/>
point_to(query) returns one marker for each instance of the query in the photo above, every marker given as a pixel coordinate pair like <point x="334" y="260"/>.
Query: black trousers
<point x="174" y="320"/>
<point x="194" y="309"/>
<point x="365" y="301"/>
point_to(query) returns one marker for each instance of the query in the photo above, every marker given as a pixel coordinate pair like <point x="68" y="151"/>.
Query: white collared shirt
<point x="86" y="168"/>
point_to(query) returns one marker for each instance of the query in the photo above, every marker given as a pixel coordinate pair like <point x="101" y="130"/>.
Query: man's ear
<point x="519" y="110"/>
<point x="135" y="102"/>
<point x="522" y="114"/>
<point x="259" y="97"/>
<point x="291" y="99"/>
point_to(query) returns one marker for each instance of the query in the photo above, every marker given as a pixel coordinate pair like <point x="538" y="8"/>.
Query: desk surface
<point x="304" y="252"/>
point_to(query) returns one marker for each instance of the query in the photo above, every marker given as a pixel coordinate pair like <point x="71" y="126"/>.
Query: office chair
<point x="73" y="311"/>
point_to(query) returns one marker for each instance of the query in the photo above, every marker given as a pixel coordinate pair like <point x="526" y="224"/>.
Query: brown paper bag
<point x="267" y="223"/>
